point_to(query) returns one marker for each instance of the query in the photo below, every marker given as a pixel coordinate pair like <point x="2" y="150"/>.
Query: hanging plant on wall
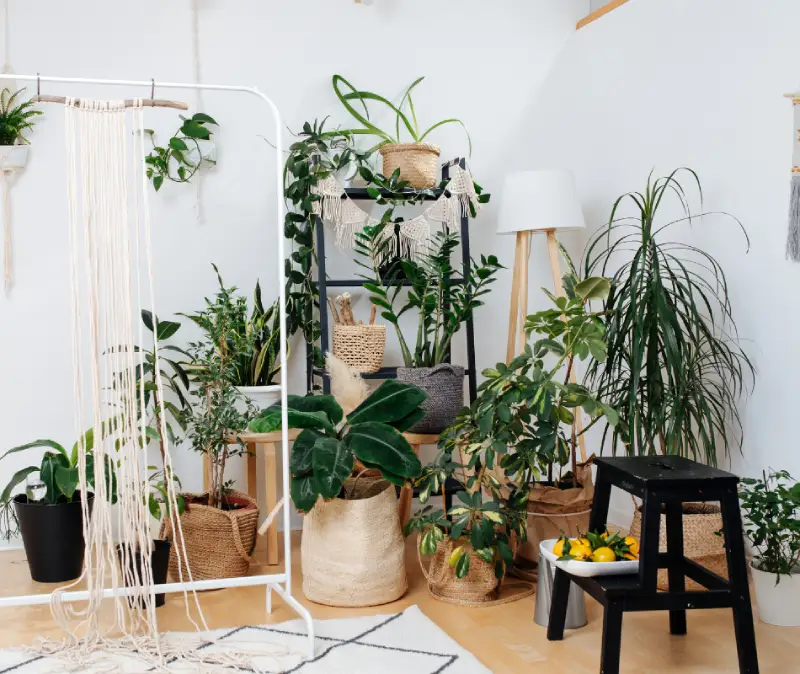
<point x="189" y="148"/>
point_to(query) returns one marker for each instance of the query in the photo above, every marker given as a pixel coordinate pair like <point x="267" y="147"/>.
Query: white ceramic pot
<point x="777" y="604"/>
<point x="261" y="396"/>
<point x="13" y="157"/>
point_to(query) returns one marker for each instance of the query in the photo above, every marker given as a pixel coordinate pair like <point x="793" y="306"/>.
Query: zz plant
<point x="324" y="454"/>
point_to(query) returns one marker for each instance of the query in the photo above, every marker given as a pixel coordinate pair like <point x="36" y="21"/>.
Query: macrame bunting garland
<point x="348" y="218"/>
<point x="793" y="238"/>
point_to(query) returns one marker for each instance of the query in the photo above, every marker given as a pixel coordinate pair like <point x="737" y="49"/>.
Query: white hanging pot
<point x="13" y="157"/>
<point x="778" y="604"/>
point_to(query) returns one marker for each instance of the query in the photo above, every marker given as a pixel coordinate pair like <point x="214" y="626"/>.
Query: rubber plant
<point x="324" y="454"/>
<point x="675" y="370"/>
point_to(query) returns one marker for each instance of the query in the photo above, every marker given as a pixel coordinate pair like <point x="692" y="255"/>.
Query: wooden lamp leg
<point x="555" y="265"/>
<point x="519" y="296"/>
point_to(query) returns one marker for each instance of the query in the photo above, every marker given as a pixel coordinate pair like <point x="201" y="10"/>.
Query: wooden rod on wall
<point x="129" y="103"/>
<point x="605" y="9"/>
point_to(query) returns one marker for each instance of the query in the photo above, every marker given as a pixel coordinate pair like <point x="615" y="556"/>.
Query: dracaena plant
<point x="356" y="101"/>
<point x="770" y="508"/>
<point x="443" y="303"/>
<point x="675" y="370"/>
<point x="15" y="117"/>
<point x="59" y="475"/>
<point x="324" y="454"/>
<point x="175" y="162"/>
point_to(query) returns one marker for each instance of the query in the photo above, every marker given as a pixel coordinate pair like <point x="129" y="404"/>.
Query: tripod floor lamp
<point x="537" y="201"/>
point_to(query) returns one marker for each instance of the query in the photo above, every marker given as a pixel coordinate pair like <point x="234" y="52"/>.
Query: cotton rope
<point x="793" y="236"/>
<point x="197" y="179"/>
<point x="105" y="258"/>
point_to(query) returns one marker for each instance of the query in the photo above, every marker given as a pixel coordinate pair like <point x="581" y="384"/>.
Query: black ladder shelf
<point x="323" y="283"/>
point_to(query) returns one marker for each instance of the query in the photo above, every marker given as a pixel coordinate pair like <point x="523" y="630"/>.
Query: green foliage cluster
<point x="15" y="118"/>
<point x="325" y="452"/>
<point x="174" y="162"/>
<point x="770" y="507"/>
<point x="675" y="370"/>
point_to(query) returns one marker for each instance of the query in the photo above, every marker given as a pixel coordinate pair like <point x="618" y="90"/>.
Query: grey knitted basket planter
<point x="444" y="385"/>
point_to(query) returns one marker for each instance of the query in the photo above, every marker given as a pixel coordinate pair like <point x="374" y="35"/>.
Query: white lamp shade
<point x="539" y="200"/>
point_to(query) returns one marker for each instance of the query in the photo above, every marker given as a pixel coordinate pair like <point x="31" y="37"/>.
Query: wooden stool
<point x="664" y="482"/>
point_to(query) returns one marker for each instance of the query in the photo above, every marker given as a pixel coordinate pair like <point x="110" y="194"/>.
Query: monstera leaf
<point x="382" y="446"/>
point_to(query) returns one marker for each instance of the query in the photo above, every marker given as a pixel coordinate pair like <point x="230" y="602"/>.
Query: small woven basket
<point x="360" y="346"/>
<point x="218" y="542"/>
<point x="417" y="163"/>
<point x="701" y="522"/>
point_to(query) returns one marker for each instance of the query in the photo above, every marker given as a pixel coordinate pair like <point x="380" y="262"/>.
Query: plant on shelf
<point x="521" y="423"/>
<point x="344" y="472"/>
<point x="49" y="513"/>
<point x="674" y="369"/>
<point x="416" y="161"/>
<point x="770" y="508"/>
<point x="443" y="304"/>
<point x="185" y="153"/>
<point x="15" y="118"/>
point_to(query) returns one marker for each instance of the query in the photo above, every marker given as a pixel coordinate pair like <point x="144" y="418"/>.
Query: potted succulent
<point x="219" y="526"/>
<point x="770" y="508"/>
<point x="417" y="160"/>
<point x="442" y="305"/>
<point x="252" y="342"/>
<point x="15" y="119"/>
<point x="523" y="419"/>
<point x="49" y="514"/>
<point x="352" y="551"/>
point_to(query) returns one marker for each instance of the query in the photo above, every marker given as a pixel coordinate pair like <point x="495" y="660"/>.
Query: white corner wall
<point x="667" y="83"/>
<point x="484" y="63"/>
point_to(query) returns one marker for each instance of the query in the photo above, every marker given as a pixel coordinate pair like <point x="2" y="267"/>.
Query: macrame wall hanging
<point x="348" y="218"/>
<point x="793" y="238"/>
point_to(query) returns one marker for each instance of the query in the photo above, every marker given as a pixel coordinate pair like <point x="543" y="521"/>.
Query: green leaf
<point x="17" y="478"/>
<point x="333" y="462"/>
<point x="158" y="181"/>
<point x="593" y="288"/>
<point x="67" y="480"/>
<point x="36" y="443"/>
<point x="300" y="462"/>
<point x="392" y="401"/>
<point x="462" y="567"/>
<point x="316" y="403"/>
<point x="193" y="129"/>
<point x="304" y="493"/>
<point x="381" y="445"/>
<point x="178" y="144"/>
<point x="410" y="421"/>
<point x="203" y="118"/>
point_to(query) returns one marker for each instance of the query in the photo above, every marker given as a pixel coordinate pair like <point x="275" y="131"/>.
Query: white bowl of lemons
<point x="607" y="554"/>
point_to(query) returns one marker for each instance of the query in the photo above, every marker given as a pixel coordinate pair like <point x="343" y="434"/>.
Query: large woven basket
<point x="444" y="385"/>
<point x="218" y="542"/>
<point x="360" y="346"/>
<point x="417" y="163"/>
<point x="353" y="552"/>
<point x="701" y="522"/>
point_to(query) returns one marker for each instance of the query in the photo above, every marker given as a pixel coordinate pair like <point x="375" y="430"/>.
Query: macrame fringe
<point x="793" y="237"/>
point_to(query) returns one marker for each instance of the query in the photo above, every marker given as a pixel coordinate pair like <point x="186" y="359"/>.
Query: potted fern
<point x="15" y="119"/>
<point x="353" y="550"/>
<point x="416" y="160"/>
<point x="443" y="305"/>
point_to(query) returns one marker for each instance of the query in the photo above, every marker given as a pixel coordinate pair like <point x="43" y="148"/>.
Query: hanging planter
<point x="13" y="157"/>
<point x="417" y="163"/>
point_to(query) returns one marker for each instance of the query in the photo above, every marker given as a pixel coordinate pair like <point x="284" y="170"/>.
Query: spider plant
<point x="674" y="370"/>
<point x="409" y="121"/>
<point x="15" y="118"/>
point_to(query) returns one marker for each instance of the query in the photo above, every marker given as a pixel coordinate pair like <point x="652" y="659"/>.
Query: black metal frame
<point x="659" y="487"/>
<point x="323" y="283"/>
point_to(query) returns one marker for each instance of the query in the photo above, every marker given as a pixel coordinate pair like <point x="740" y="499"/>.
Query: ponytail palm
<point x="675" y="370"/>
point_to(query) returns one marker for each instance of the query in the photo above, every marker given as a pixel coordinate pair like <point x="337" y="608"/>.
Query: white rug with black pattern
<point x="383" y="644"/>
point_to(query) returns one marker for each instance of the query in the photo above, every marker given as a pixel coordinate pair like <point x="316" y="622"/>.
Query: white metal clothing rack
<point x="280" y="582"/>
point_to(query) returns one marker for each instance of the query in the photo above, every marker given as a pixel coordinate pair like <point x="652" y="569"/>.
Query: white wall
<point x="484" y="63"/>
<point x="668" y="83"/>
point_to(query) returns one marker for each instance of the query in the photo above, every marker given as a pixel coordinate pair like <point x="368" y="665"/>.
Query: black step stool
<point x="668" y="482"/>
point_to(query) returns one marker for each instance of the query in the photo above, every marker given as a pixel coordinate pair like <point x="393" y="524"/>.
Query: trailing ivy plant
<point x="325" y="452"/>
<point x="174" y="161"/>
<point x="675" y="370"/>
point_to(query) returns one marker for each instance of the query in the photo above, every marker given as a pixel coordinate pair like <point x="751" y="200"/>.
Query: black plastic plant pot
<point x="159" y="564"/>
<point x="53" y="537"/>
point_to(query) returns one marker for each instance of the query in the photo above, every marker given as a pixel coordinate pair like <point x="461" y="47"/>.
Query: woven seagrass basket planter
<point x="218" y="542"/>
<point x="360" y="346"/>
<point x="418" y="163"/>
<point x="444" y="385"/>
<point x="353" y="552"/>
<point x="701" y="522"/>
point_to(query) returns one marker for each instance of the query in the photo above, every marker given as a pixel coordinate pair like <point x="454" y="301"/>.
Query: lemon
<point x="580" y="552"/>
<point x="604" y="555"/>
<point x="558" y="548"/>
<point x="628" y="555"/>
<point x="583" y="541"/>
<point x="633" y="545"/>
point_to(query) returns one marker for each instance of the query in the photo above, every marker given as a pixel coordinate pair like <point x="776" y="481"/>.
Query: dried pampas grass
<point x="347" y="386"/>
